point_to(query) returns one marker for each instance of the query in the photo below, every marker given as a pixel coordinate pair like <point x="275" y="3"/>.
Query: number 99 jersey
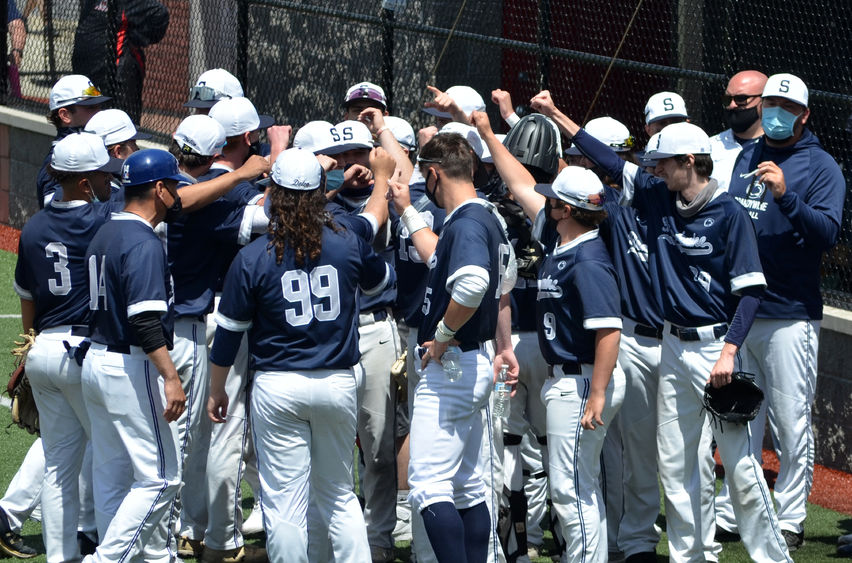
<point x="301" y="317"/>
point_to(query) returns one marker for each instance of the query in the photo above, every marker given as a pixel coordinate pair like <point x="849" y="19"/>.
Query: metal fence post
<point x="51" y="38"/>
<point x="4" y="45"/>
<point x="544" y="43"/>
<point x="242" y="42"/>
<point x="387" y="55"/>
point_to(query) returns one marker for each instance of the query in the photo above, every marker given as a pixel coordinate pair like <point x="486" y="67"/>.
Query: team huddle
<point x="231" y="309"/>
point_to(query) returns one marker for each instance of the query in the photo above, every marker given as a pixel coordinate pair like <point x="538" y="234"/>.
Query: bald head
<point x="748" y="82"/>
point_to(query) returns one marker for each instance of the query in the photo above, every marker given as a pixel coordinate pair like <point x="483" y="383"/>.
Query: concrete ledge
<point x="838" y="320"/>
<point x="27" y="121"/>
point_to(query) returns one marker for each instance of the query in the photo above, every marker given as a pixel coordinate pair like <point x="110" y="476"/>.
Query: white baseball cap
<point x="402" y="132"/>
<point x="113" y="126"/>
<point x="75" y="89"/>
<point x="366" y="91"/>
<point x="83" y="152"/>
<point x="787" y="86"/>
<point x="350" y="135"/>
<point x="201" y="135"/>
<point x="472" y="136"/>
<point x="465" y="97"/>
<point x="664" y="105"/>
<point x="238" y="116"/>
<point x="677" y="139"/>
<point x="576" y="186"/>
<point x="315" y="136"/>
<point x="213" y="85"/>
<point x="610" y="132"/>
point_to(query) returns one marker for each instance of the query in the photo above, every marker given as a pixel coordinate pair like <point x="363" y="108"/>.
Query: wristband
<point x="442" y="333"/>
<point x="412" y="220"/>
<point x="381" y="130"/>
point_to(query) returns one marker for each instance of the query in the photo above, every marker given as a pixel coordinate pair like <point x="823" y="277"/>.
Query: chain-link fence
<point x="297" y="58"/>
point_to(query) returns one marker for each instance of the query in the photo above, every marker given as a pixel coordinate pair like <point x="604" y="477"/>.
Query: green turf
<point x="821" y="529"/>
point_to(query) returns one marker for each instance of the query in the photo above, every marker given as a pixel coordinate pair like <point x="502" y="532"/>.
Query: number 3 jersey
<point x="51" y="268"/>
<point x="472" y="239"/>
<point x="577" y="295"/>
<point x="301" y="317"/>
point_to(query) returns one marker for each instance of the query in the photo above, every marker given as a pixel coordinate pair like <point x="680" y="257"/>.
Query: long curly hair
<point x="296" y="221"/>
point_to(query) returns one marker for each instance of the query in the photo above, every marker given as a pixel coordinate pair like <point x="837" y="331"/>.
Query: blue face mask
<point x="778" y="123"/>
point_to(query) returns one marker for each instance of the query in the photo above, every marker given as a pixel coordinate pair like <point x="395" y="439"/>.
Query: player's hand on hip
<point x="398" y="195"/>
<point x="543" y="103"/>
<point x="434" y="350"/>
<point x="217" y="405"/>
<point x="772" y="177"/>
<point x="381" y="163"/>
<point x="594" y="409"/>
<point x="175" y="398"/>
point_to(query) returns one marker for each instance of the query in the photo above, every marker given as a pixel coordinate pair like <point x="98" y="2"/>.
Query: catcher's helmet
<point x="150" y="165"/>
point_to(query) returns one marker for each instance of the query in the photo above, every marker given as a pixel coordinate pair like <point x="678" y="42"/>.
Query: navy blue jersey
<point x="358" y="224"/>
<point x="625" y="233"/>
<point x="577" y="295"/>
<point x="128" y="275"/>
<point x="523" y="296"/>
<point x="699" y="264"/>
<point x="411" y="270"/>
<point x="793" y="232"/>
<point x="472" y="238"/>
<point x="195" y="252"/>
<point x="306" y="317"/>
<point x="51" y="268"/>
<point x="387" y="297"/>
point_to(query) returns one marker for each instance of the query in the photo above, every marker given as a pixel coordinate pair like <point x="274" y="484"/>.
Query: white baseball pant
<point x="304" y="429"/>
<point x="681" y="422"/>
<point x="136" y="462"/>
<point x="574" y="460"/>
<point x="65" y="427"/>
<point x="782" y="354"/>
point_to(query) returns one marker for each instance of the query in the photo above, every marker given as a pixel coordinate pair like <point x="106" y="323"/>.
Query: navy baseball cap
<point x="150" y="165"/>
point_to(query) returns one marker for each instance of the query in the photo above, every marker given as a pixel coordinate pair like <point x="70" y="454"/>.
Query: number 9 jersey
<point x="302" y="318"/>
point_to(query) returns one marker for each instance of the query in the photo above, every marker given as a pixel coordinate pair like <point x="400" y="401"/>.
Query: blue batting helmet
<point x="150" y="165"/>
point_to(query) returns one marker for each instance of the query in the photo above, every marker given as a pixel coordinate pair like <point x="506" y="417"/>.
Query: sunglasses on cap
<point x="205" y="94"/>
<point x="91" y="91"/>
<point x="628" y="143"/>
<point x="366" y="93"/>
<point x="739" y="99"/>
<point x="428" y="161"/>
<point x="597" y="199"/>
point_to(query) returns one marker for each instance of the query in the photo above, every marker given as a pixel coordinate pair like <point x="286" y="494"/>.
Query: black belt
<point x="468" y="346"/>
<point x="118" y="349"/>
<point x="568" y="368"/>
<point x="79" y="330"/>
<point x="378" y="314"/>
<point x="692" y="335"/>
<point x="649" y="331"/>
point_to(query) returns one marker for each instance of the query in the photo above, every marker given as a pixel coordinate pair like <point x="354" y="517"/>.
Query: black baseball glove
<point x="739" y="401"/>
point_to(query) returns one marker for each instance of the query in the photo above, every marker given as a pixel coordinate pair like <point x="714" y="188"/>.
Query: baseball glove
<point x="400" y="376"/>
<point x="24" y="410"/>
<point x="739" y="401"/>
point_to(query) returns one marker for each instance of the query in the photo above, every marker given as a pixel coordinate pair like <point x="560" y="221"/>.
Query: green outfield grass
<point x="821" y="529"/>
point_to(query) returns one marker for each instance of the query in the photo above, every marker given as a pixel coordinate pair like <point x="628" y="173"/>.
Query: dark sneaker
<point x="644" y="557"/>
<point x="794" y="540"/>
<point x="86" y="544"/>
<point x="11" y="543"/>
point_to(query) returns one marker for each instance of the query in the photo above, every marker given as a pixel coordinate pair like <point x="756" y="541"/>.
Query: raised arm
<point x="517" y="178"/>
<point x="445" y="103"/>
<point x="422" y="237"/>
<point x="196" y="196"/>
<point x="375" y="121"/>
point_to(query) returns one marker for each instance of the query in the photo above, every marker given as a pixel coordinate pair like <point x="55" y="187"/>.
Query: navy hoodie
<point x="795" y="231"/>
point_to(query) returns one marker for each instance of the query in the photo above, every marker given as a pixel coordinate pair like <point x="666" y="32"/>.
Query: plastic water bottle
<point x="451" y="362"/>
<point x="502" y="392"/>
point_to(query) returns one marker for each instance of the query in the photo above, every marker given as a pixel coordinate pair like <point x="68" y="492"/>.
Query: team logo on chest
<point x="548" y="288"/>
<point x="691" y="245"/>
<point x="637" y="247"/>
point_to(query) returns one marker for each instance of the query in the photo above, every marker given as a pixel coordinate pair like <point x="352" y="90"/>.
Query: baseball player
<point x="51" y="279"/>
<point x="304" y="351"/>
<point x="456" y="104"/>
<point x="73" y="101"/>
<point x="362" y="96"/>
<point x="136" y="465"/>
<point x="664" y="108"/>
<point x="117" y="131"/>
<point x="466" y="281"/>
<point x="578" y="333"/>
<point x="707" y="277"/>
<point x="794" y="193"/>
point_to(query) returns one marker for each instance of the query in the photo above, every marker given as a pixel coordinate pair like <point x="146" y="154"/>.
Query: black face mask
<point x="173" y="212"/>
<point x="431" y="195"/>
<point x="741" y="119"/>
